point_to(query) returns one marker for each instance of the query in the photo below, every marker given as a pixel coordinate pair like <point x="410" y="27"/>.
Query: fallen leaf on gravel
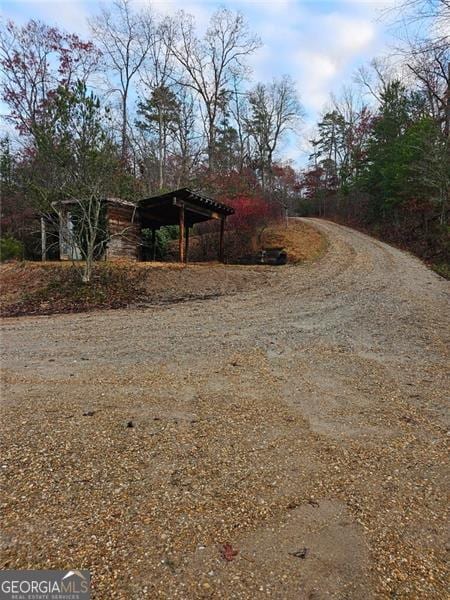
<point x="227" y="552"/>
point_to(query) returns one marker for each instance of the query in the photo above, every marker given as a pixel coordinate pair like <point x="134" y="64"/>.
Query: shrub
<point x="442" y="269"/>
<point x="252" y="214"/>
<point x="10" y="248"/>
<point x="164" y="235"/>
<point x="244" y="229"/>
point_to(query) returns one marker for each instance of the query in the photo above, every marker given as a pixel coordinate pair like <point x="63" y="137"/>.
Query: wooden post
<point x="153" y="244"/>
<point x="181" y="236"/>
<point x="186" y="247"/>
<point x="222" y="229"/>
<point x="43" y="240"/>
<point x="63" y="253"/>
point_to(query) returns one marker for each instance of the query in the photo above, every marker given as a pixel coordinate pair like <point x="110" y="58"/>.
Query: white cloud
<point x="325" y="58"/>
<point x="350" y="34"/>
<point x="317" y="70"/>
<point x="318" y="42"/>
<point x="201" y="11"/>
<point x="70" y="15"/>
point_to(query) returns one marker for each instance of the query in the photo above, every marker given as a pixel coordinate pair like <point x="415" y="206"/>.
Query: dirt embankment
<point x="48" y="288"/>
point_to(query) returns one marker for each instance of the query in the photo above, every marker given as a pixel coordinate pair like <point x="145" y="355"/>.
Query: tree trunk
<point x="269" y="170"/>
<point x="43" y="240"/>
<point x="89" y="259"/>
<point x="161" y="166"/>
<point x="181" y="234"/>
<point x="263" y="171"/>
<point x="87" y="272"/>
<point x="123" y="152"/>
<point x="211" y="144"/>
<point x="447" y="107"/>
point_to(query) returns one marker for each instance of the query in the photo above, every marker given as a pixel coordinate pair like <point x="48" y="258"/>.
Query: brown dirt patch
<point x="34" y="288"/>
<point x="56" y="287"/>
<point x="302" y="242"/>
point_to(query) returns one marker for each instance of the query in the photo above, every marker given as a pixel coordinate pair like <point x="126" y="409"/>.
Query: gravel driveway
<point x="286" y="442"/>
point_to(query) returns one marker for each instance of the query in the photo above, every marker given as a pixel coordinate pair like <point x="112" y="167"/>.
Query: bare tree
<point x="424" y="23"/>
<point x="210" y="63"/>
<point x="431" y="68"/>
<point x="376" y="76"/>
<point x="36" y="59"/>
<point x="274" y="110"/>
<point x="239" y="109"/>
<point x="125" y="38"/>
<point x="74" y="169"/>
<point x="158" y="99"/>
<point x="158" y="67"/>
<point x="425" y="50"/>
<point x="187" y="140"/>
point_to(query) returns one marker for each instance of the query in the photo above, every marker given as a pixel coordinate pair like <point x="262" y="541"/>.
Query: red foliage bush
<point x="243" y="229"/>
<point x="251" y="213"/>
<point x="225" y="186"/>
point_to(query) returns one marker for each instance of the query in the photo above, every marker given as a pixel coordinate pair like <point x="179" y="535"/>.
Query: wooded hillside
<point x="148" y="104"/>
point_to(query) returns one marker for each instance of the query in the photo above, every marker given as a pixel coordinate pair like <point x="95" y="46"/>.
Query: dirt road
<point x="286" y="442"/>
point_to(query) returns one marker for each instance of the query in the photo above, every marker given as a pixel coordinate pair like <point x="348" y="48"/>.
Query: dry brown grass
<point x="56" y="287"/>
<point x="35" y="288"/>
<point x="301" y="241"/>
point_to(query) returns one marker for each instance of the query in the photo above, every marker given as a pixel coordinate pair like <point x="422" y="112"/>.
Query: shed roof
<point x="74" y="201"/>
<point x="164" y="209"/>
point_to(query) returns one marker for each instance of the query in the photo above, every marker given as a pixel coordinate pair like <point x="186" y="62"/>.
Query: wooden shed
<point x="184" y="208"/>
<point x="124" y="221"/>
<point x="120" y="226"/>
<point x="124" y="230"/>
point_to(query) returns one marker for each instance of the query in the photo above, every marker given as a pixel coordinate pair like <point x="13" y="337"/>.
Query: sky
<point x="319" y="43"/>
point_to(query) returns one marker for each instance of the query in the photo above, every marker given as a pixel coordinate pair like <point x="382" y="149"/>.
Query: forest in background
<point x="384" y="166"/>
<point x="147" y="105"/>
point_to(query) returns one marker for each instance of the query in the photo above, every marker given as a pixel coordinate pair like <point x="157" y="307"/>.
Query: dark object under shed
<point x="266" y="256"/>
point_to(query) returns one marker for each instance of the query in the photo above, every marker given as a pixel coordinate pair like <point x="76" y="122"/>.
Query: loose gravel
<point x="285" y="442"/>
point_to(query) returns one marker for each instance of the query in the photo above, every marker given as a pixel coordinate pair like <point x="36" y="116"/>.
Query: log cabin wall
<point x="124" y="230"/>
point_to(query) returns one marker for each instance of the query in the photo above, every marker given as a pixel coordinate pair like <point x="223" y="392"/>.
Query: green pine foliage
<point x="389" y="173"/>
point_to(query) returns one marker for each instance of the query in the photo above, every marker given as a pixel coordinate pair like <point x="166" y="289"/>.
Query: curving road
<point x="302" y="423"/>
